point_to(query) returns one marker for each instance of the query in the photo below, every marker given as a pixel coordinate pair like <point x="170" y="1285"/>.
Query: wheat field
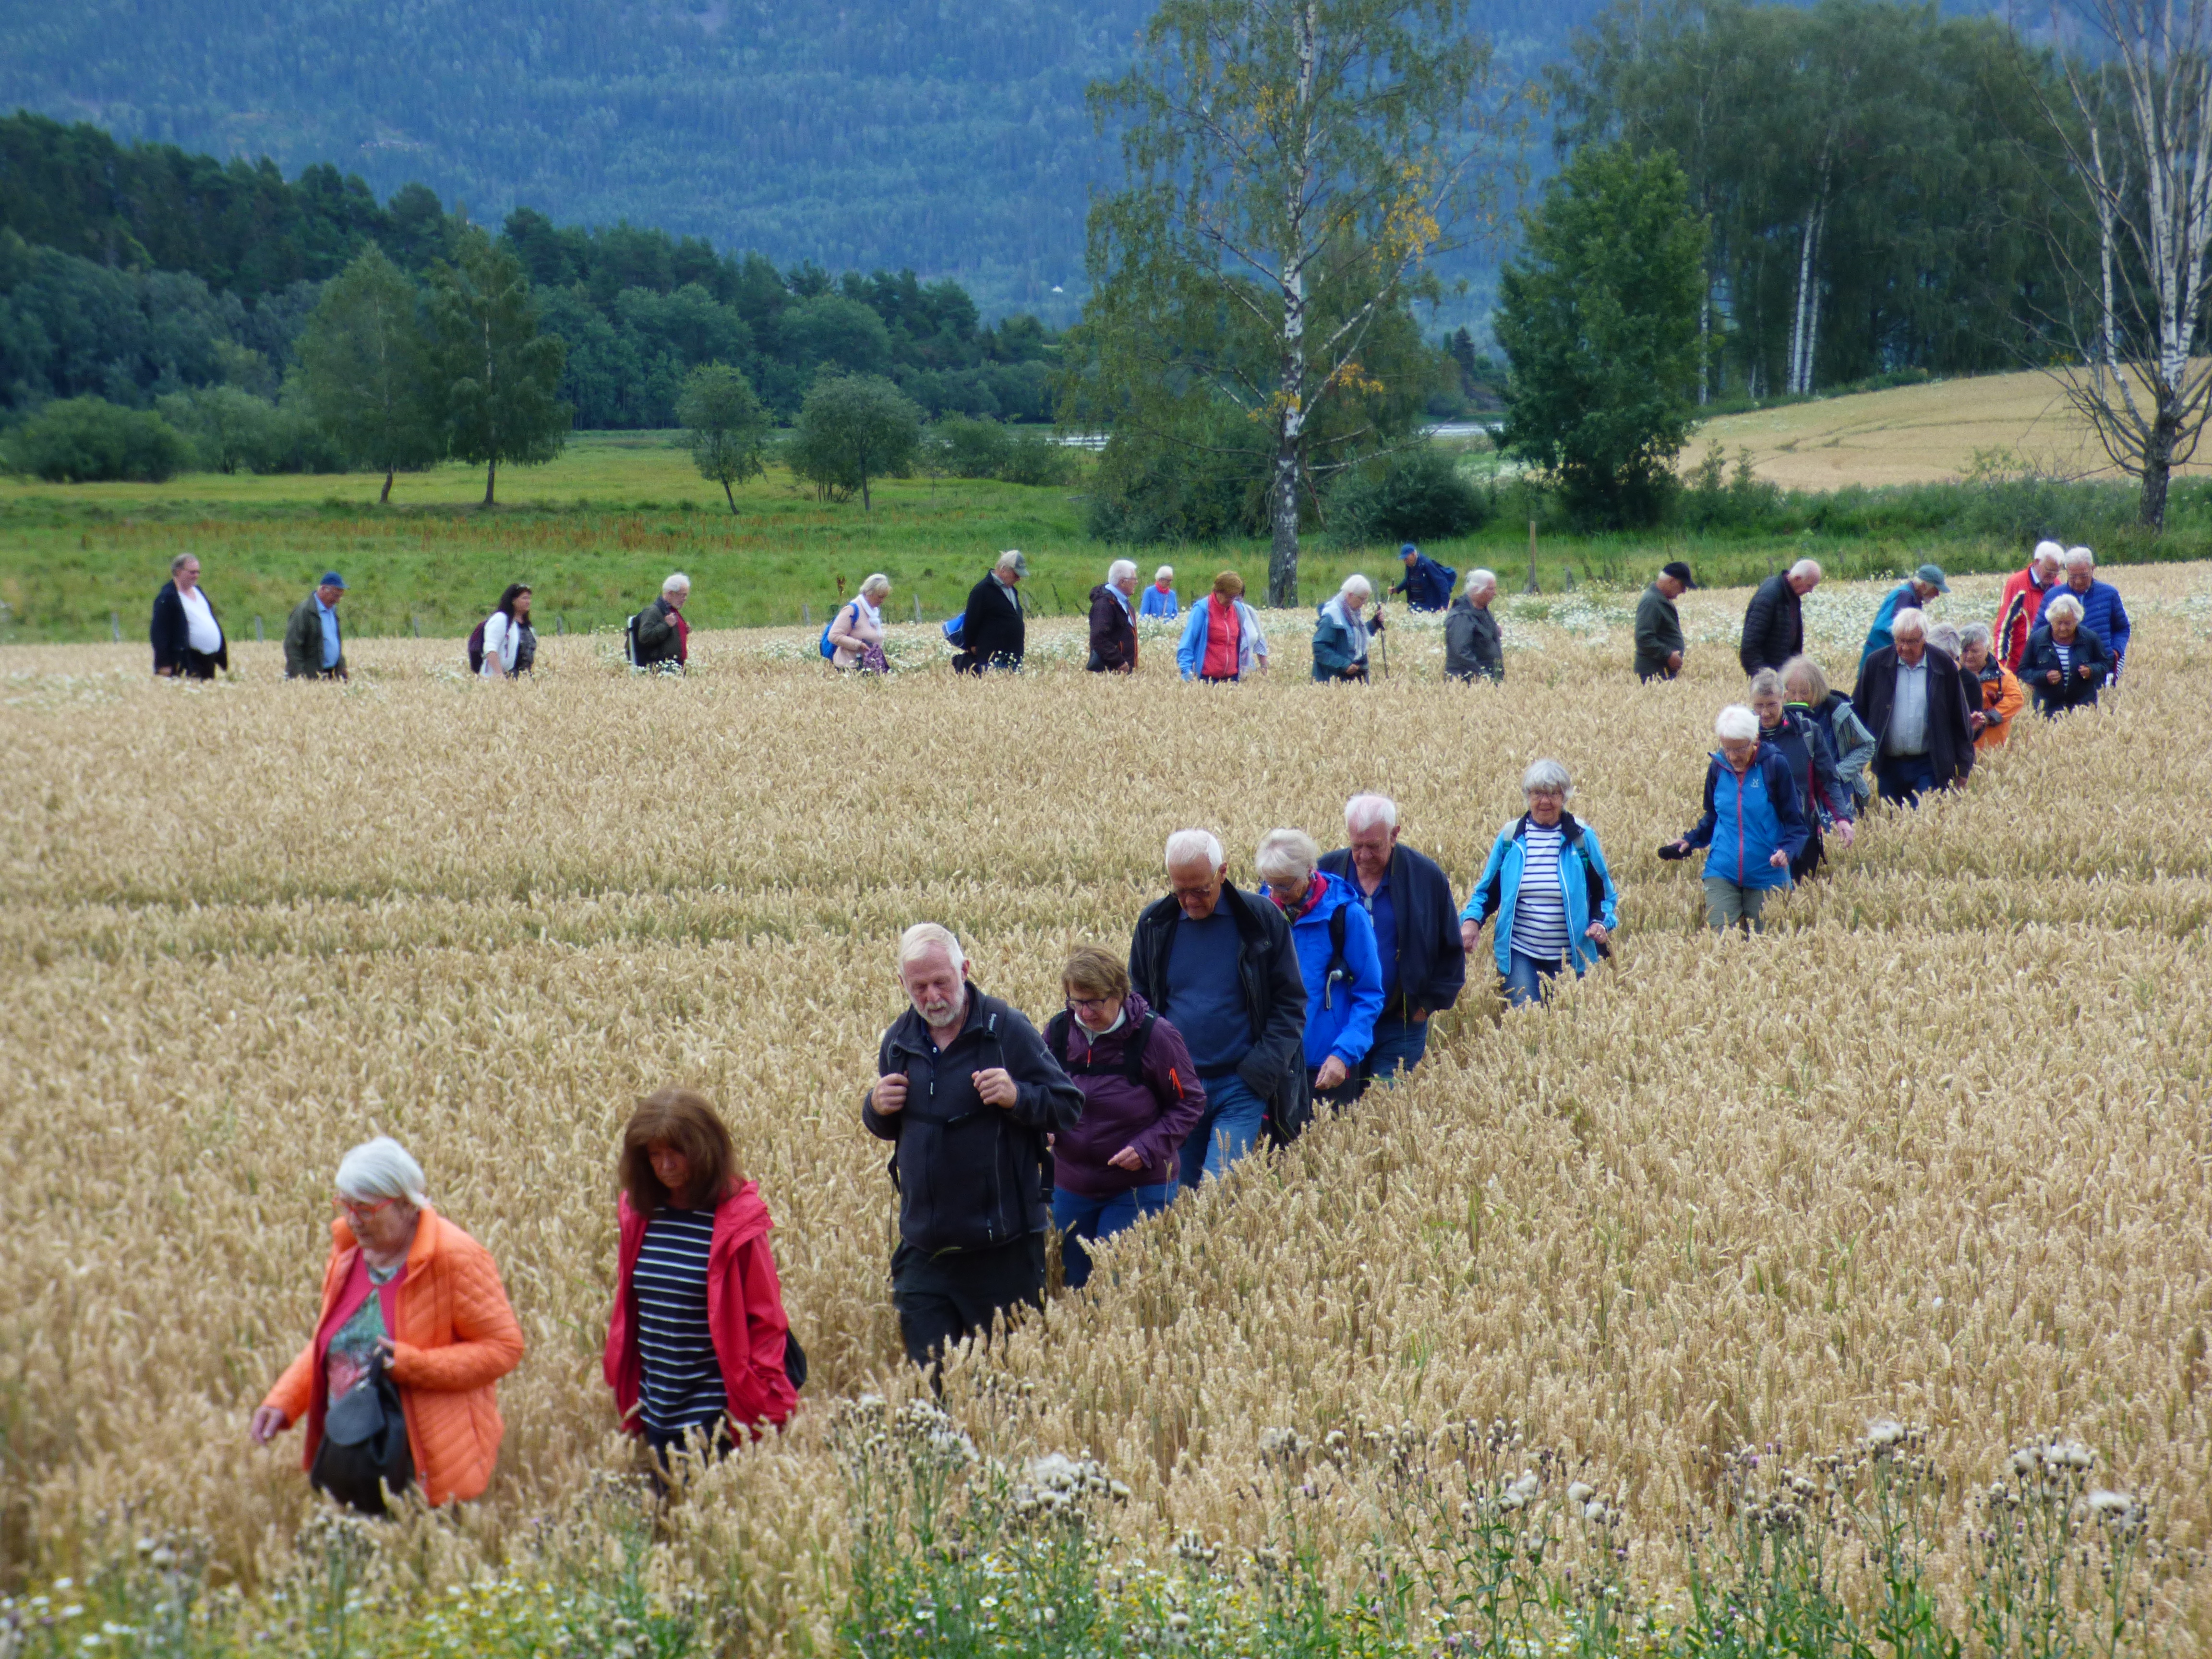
<point x="1937" y="1147"/>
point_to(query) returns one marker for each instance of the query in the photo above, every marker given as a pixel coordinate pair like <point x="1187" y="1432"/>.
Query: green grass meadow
<point x="595" y="531"/>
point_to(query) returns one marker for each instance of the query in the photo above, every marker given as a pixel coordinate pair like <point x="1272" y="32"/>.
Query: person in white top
<point x="856" y="632"/>
<point x="510" y="644"/>
<point x="187" y="639"/>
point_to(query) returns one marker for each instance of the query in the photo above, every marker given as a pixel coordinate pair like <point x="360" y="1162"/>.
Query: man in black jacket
<point x="993" y="635"/>
<point x="1774" y="623"/>
<point x="966" y="1091"/>
<point x="188" y="640"/>
<point x="1114" y="622"/>
<point x="1911" y="698"/>
<point x="1220" y="964"/>
<point x="1409" y="899"/>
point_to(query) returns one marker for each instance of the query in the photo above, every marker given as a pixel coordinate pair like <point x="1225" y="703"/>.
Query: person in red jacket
<point x="698" y="1348"/>
<point x="2022" y="600"/>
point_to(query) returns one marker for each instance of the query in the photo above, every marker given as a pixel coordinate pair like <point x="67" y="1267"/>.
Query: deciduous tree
<point x="853" y="428"/>
<point x="724" y="426"/>
<point x="499" y="376"/>
<point x="365" y="369"/>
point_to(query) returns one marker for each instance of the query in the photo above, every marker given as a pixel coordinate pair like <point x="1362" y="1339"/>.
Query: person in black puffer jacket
<point x="966" y="1092"/>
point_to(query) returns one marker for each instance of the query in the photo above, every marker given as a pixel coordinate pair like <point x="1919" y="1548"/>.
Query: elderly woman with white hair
<point x="1548" y="887"/>
<point x="1340" y="641"/>
<point x="1113" y="620"/>
<point x="1753" y="828"/>
<point x="660" y="638"/>
<point x="414" y="1325"/>
<point x="1472" y="645"/>
<point x="855" y="636"/>
<point x="1343" y="972"/>
<point x="2066" y="662"/>
<point x="1159" y="598"/>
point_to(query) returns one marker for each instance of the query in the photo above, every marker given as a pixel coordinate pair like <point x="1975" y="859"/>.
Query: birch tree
<point x="1294" y="167"/>
<point x="2136" y="128"/>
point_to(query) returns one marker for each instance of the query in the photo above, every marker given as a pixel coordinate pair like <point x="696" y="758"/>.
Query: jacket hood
<point x="1134" y="1009"/>
<point x="1335" y="894"/>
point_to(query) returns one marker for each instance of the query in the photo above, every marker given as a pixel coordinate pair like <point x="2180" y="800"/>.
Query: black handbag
<point x="364" y="1448"/>
<point x="794" y="1360"/>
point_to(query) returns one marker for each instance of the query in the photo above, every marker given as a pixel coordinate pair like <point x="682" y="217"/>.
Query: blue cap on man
<point x="1409" y="551"/>
<point x="332" y="578"/>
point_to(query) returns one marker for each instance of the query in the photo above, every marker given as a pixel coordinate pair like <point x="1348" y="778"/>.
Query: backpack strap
<point x="1338" y="967"/>
<point x="1133" y="1065"/>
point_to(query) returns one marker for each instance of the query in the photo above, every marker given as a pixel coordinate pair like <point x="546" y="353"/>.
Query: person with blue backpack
<point x="1337" y="958"/>
<point x="1428" y="585"/>
<point x="1547" y="887"/>
<point x="854" y="638"/>
<point x="1753" y="827"/>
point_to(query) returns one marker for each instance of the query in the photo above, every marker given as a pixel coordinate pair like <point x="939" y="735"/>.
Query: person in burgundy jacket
<point x="1141" y="1097"/>
<point x="698" y="1349"/>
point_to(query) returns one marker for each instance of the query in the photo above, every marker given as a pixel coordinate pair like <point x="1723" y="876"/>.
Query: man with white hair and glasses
<point x="1113" y="620"/>
<point x="1408" y="899"/>
<point x="967" y="1093"/>
<point x="1221" y="964"/>
<point x="1911" y="697"/>
<point x="2102" y="613"/>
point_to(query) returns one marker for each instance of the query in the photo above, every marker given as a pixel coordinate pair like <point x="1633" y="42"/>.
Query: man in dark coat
<point x="1659" y="643"/>
<point x="993" y="633"/>
<point x="187" y="638"/>
<point x="1910" y="698"/>
<point x="1774" y="623"/>
<point x="1472" y="645"/>
<point x="1113" y="621"/>
<point x="967" y="1093"/>
<point x="1220" y="964"/>
<point x="1427" y="585"/>
<point x="1417" y="934"/>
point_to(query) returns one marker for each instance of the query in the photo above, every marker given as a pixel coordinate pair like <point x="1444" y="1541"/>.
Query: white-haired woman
<point x="407" y="1293"/>
<point x="1159" y="598"/>
<point x="1547" y="885"/>
<point x="1334" y="937"/>
<point x="2065" y="662"/>
<point x="1113" y="620"/>
<point x="856" y="632"/>
<point x="1753" y="826"/>
<point x="1340" y="641"/>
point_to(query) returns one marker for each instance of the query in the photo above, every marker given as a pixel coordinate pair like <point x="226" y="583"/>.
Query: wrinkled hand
<point x="2052" y="677"/>
<point x="889" y="1095"/>
<point x="995" y="1085"/>
<point x="1978" y="722"/>
<point x="1598" y="931"/>
<point x="268" y="1423"/>
<point x="2085" y="670"/>
<point x="1333" y="1071"/>
<point x="1845" y="830"/>
<point x="1779" y="859"/>
<point x="1470" y="935"/>
<point x="1127" y="1158"/>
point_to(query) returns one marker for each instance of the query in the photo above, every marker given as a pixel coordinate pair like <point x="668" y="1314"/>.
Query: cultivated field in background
<point x="1915" y="434"/>
<point x="1937" y="1147"/>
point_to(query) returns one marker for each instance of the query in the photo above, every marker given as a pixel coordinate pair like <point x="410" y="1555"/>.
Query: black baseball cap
<point x="1679" y="571"/>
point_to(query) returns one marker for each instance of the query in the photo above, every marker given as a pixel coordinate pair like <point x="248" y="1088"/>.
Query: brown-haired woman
<point x="698" y="1343"/>
<point x="1141" y="1097"/>
<point x="1222" y="641"/>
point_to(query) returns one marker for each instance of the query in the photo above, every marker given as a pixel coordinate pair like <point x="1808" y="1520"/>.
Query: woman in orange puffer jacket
<point x="405" y="1284"/>
<point x="2002" y="695"/>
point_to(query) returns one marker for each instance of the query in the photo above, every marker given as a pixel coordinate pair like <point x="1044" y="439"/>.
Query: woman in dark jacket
<point x="698" y="1348"/>
<point x="1822" y="796"/>
<point x="2064" y="663"/>
<point x="1141" y="1098"/>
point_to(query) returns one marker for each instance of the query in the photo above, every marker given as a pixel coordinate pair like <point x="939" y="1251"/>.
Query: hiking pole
<point x="1382" y="642"/>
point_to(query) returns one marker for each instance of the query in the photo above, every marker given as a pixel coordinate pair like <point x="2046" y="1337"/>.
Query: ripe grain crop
<point x="1935" y="1148"/>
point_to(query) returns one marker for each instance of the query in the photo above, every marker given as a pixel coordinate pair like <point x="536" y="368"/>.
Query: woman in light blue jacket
<point x="1547" y="885"/>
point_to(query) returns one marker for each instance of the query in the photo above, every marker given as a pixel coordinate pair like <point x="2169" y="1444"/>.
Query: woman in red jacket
<point x="698" y="1348"/>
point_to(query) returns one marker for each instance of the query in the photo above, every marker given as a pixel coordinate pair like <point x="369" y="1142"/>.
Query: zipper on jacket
<point x="1740" y="783"/>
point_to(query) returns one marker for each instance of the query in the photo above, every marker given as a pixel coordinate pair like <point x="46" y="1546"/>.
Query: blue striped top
<point x="683" y="1380"/>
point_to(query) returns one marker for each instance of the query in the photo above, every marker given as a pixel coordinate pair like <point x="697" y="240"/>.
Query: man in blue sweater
<point x="2102" y="613"/>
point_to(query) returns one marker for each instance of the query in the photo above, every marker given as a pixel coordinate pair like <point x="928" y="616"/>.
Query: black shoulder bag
<point x="364" y="1448"/>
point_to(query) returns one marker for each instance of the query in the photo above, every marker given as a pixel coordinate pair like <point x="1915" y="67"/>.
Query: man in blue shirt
<point x="1221" y="966"/>
<point x="1409" y="899"/>
<point x="313" y="648"/>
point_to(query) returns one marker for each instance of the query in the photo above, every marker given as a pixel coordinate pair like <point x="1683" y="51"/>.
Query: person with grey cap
<point x="992" y="634"/>
<point x="314" y="649"/>
<point x="1659" y="643"/>
<point x="1910" y="594"/>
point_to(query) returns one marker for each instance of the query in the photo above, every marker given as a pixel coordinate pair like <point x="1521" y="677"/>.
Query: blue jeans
<point x="1400" y="1046"/>
<point x="1078" y="1216"/>
<point x="1904" y="778"/>
<point x="1524" y="981"/>
<point x="1231" y="1125"/>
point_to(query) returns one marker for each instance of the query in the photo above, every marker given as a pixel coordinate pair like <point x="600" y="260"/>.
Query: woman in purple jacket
<point x="1141" y="1097"/>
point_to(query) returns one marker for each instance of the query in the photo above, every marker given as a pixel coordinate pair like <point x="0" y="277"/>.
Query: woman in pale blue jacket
<point x="1159" y="598"/>
<point x="1334" y="937"/>
<point x="1206" y="653"/>
<point x="1547" y="885"/>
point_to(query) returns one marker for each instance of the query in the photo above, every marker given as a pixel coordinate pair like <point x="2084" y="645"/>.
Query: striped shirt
<point x="2065" y="661"/>
<point x="683" y="1381"/>
<point x="1540" y="911"/>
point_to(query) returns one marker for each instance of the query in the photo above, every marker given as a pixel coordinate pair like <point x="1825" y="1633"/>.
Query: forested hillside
<point x="950" y="138"/>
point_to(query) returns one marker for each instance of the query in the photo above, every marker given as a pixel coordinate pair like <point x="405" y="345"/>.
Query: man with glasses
<point x="1221" y="965"/>
<point x="188" y="641"/>
<point x="1408" y="897"/>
